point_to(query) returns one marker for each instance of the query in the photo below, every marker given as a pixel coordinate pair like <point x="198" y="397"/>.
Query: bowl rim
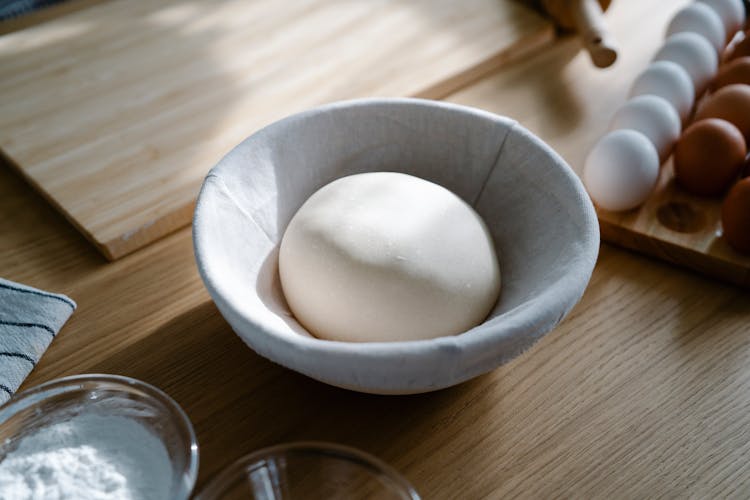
<point x="214" y="486"/>
<point x="446" y="348"/>
<point x="35" y="395"/>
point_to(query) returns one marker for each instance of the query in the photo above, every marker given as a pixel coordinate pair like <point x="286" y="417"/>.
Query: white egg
<point x="621" y="170"/>
<point x="669" y="81"/>
<point x="703" y="20"/>
<point x="653" y="117"/>
<point x="696" y="56"/>
<point x="731" y="12"/>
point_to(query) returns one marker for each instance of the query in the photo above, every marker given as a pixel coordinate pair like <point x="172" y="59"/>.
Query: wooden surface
<point x="570" y="104"/>
<point x="116" y="112"/>
<point x="642" y="392"/>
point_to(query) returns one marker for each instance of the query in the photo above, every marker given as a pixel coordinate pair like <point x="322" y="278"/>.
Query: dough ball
<point x="385" y="256"/>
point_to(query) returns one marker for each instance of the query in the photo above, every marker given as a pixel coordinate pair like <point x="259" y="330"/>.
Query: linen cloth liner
<point x="29" y="320"/>
<point x="535" y="207"/>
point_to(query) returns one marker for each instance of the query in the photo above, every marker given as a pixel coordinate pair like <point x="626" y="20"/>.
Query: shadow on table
<point x="45" y="245"/>
<point x="240" y="402"/>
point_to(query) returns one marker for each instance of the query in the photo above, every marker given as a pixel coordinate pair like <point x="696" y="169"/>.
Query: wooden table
<point x="643" y="391"/>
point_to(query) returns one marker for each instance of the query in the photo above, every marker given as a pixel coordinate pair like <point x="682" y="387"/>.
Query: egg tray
<point x="678" y="227"/>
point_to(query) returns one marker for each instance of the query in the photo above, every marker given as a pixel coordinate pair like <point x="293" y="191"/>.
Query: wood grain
<point x="116" y="112"/>
<point x="570" y="104"/>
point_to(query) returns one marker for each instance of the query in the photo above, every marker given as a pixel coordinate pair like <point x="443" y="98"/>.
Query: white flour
<point x="88" y="457"/>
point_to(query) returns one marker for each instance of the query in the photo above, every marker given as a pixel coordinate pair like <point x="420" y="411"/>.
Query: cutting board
<point x="561" y="97"/>
<point x="116" y="112"/>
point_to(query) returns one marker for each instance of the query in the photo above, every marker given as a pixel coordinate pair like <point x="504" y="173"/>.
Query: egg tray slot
<point x="680" y="228"/>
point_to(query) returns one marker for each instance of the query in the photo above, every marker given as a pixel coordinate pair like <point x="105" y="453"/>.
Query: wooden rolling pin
<point x="586" y="17"/>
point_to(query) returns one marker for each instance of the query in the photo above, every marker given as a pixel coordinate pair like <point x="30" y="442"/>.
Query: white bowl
<point x="543" y="223"/>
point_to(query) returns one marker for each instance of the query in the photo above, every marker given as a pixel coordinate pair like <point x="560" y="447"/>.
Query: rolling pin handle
<point x="589" y="20"/>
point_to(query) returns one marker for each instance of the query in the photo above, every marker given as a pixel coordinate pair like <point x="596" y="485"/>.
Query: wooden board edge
<point x="523" y="47"/>
<point x="151" y="232"/>
<point x="8" y="161"/>
<point x="674" y="254"/>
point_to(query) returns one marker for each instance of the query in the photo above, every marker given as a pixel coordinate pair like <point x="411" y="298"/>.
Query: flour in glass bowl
<point x="88" y="457"/>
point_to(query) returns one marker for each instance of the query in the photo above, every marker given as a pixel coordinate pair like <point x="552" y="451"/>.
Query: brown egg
<point x="730" y="103"/>
<point x="708" y="157"/>
<point x="740" y="49"/>
<point x="737" y="71"/>
<point x="735" y="216"/>
<point x="746" y="168"/>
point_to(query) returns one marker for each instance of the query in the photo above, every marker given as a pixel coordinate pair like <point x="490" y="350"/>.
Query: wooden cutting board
<point x="116" y="112"/>
<point x="570" y="104"/>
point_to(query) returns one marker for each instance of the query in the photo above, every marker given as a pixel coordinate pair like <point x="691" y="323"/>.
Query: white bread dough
<point x="385" y="256"/>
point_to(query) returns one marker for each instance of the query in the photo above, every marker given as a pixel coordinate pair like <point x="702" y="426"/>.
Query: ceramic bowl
<point x="542" y="221"/>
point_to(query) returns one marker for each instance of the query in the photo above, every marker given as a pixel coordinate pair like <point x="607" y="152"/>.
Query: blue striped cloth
<point x="29" y="320"/>
<point x="15" y="8"/>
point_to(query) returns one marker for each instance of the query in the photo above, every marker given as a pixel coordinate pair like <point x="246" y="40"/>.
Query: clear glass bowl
<point x="65" y="398"/>
<point x="310" y="471"/>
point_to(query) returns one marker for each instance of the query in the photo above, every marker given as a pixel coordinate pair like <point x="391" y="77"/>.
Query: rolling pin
<point x="586" y="17"/>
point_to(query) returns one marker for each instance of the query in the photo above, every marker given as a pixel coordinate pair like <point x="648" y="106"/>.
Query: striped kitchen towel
<point x="29" y="320"/>
<point x="15" y="8"/>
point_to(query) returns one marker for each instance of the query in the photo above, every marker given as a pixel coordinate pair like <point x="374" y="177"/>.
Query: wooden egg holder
<point x="678" y="227"/>
<point x="672" y="224"/>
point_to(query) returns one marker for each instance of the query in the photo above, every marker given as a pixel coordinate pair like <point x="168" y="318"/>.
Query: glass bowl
<point x="310" y="471"/>
<point x="61" y="400"/>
